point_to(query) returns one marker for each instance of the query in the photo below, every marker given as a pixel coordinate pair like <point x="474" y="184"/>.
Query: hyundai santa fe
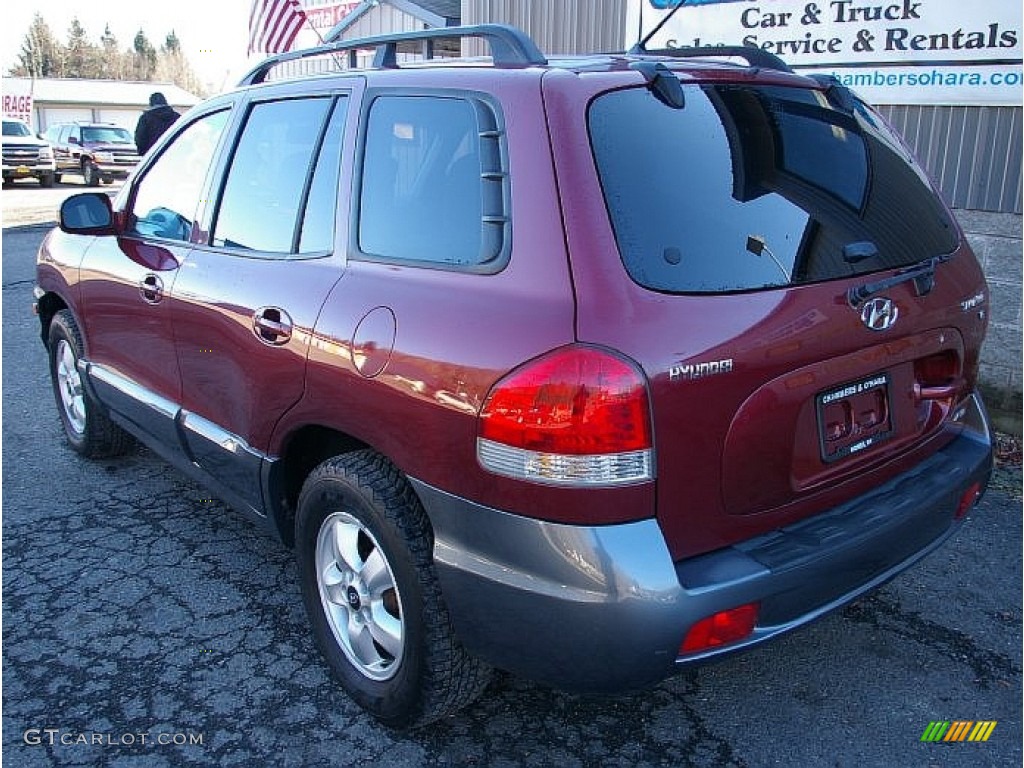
<point x="583" y="368"/>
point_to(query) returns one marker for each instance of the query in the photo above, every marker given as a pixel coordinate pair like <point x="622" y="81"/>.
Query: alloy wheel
<point x="359" y="596"/>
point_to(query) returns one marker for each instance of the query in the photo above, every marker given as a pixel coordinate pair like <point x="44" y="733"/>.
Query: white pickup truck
<point x="26" y="156"/>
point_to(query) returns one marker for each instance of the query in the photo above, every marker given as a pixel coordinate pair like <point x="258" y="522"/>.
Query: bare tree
<point x="113" y="61"/>
<point x="40" y="54"/>
<point x="145" y="57"/>
<point x="172" y="66"/>
<point x="83" y="58"/>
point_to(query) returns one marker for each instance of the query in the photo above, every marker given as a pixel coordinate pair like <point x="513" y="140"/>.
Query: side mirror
<point x="89" y="213"/>
<point x="73" y="140"/>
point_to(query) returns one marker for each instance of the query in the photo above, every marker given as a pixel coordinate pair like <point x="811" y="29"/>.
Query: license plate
<point x="23" y="170"/>
<point x="854" y="417"/>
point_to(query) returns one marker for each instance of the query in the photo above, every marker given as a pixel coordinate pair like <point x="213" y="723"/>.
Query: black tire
<point x="432" y="675"/>
<point x="91" y="174"/>
<point x="56" y="178"/>
<point x="89" y="430"/>
<point x="47" y="180"/>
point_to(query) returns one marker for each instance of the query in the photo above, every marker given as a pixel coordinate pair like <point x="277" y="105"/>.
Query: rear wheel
<point x="364" y="549"/>
<point x="89" y="431"/>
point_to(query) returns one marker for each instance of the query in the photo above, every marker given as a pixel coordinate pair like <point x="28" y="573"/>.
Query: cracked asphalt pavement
<point x="146" y="625"/>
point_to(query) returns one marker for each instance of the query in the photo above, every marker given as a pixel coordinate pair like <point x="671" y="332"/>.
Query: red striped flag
<point x="274" y="24"/>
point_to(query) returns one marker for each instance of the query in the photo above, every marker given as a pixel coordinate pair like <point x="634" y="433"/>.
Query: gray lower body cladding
<point x="604" y="608"/>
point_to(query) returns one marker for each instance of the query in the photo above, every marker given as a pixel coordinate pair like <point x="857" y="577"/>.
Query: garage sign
<point x="17" y="100"/>
<point x="896" y="52"/>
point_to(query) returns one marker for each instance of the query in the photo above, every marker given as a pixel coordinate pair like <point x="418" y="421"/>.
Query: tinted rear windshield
<point x="750" y="187"/>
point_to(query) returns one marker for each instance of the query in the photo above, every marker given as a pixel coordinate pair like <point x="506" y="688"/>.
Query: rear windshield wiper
<point x="922" y="273"/>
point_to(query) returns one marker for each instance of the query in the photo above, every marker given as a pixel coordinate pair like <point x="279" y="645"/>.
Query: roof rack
<point x="755" y="57"/>
<point x="510" y="47"/>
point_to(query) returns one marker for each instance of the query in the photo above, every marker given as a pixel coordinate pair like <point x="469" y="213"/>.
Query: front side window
<point x="432" y="182"/>
<point x="266" y="183"/>
<point x="168" y="196"/>
<point x="750" y="187"/>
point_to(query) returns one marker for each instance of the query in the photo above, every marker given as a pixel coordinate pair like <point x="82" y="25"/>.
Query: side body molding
<point x="222" y="461"/>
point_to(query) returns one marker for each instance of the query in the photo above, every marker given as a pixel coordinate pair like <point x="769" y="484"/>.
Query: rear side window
<point x="757" y="187"/>
<point x="266" y="186"/>
<point x="433" y="182"/>
<point x="318" y="219"/>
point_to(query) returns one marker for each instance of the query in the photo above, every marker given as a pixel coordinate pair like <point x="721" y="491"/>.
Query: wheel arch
<point x="47" y="306"/>
<point x="302" y="451"/>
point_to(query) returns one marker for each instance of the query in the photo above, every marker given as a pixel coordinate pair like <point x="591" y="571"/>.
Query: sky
<point x="213" y="33"/>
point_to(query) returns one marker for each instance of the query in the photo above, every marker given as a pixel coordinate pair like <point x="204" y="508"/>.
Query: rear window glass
<point x="758" y="187"/>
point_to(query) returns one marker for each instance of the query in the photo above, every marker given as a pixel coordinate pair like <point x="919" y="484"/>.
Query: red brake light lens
<point x="576" y="400"/>
<point x="577" y="415"/>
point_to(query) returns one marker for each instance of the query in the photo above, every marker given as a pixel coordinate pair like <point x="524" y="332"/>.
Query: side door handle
<point x="152" y="289"/>
<point x="272" y="326"/>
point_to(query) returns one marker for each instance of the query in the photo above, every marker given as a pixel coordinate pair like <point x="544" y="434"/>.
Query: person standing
<point x="153" y="122"/>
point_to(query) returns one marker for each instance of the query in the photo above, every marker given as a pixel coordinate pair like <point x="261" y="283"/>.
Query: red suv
<point x="99" y="152"/>
<point x="587" y="369"/>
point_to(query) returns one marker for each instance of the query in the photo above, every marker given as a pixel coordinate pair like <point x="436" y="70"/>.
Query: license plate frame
<point x="854" y="417"/>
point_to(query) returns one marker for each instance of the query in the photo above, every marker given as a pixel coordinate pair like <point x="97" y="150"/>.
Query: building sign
<point x="17" y="100"/>
<point x="896" y="52"/>
<point x="323" y="16"/>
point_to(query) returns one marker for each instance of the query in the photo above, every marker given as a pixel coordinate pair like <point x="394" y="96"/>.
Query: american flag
<point x="274" y="24"/>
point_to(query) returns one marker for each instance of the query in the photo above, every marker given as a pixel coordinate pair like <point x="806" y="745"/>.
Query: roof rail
<point x="755" y="57"/>
<point x="510" y="47"/>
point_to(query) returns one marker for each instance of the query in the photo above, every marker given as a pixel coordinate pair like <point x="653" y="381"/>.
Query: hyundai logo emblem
<point x="353" y="598"/>
<point x="880" y="314"/>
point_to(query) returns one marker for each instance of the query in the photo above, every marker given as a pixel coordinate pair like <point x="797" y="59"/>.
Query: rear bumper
<point x="604" y="608"/>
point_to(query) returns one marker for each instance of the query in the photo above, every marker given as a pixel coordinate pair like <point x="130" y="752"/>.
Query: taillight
<point x="576" y="416"/>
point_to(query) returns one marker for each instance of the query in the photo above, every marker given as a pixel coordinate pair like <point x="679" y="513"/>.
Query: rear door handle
<point x="152" y="289"/>
<point x="272" y="325"/>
